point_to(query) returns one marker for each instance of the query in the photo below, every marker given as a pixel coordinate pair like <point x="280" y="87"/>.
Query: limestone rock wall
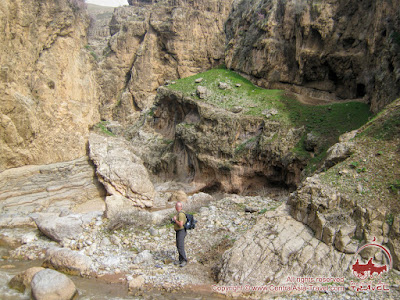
<point x="48" y="92"/>
<point x="325" y="49"/>
<point x="155" y="41"/>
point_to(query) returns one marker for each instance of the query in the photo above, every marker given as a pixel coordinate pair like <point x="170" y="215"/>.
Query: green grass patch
<point x="386" y="130"/>
<point x="395" y="187"/>
<point x="328" y="121"/>
<point x="102" y="126"/>
<point x="325" y="121"/>
<point x="249" y="144"/>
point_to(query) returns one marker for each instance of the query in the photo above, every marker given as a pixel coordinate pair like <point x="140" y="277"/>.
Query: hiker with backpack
<point x="179" y="221"/>
<point x="182" y="222"/>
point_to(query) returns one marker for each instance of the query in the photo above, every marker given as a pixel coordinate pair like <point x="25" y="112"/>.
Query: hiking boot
<point x="183" y="264"/>
<point x="177" y="262"/>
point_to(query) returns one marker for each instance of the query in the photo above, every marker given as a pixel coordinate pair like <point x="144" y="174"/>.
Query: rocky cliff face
<point x="325" y="49"/>
<point x="215" y="149"/>
<point x="351" y="204"/>
<point x="155" y="41"/>
<point x="47" y="89"/>
<point x="99" y="29"/>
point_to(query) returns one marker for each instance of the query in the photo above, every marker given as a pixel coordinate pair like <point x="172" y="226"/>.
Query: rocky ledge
<point x="215" y="149"/>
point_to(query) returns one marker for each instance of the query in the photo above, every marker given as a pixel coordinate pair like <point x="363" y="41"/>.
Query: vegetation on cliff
<point x="325" y="122"/>
<point x="371" y="175"/>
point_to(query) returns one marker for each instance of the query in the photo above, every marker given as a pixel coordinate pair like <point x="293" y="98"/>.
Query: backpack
<point x="190" y="222"/>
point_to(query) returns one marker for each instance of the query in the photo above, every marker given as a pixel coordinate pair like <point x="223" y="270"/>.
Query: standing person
<point x="179" y="220"/>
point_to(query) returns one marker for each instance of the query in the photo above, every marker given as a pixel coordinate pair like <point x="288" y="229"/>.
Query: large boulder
<point x="67" y="261"/>
<point x="118" y="205"/>
<point x="66" y="227"/>
<point x="178" y="196"/>
<point x="120" y="170"/>
<point x="58" y="228"/>
<point x="202" y="92"/>
<point x="338" y="153"/>
<point x="23" y="280"/>
<point x="52" y="285"/>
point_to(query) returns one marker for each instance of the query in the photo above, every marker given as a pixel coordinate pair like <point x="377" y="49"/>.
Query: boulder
<point x="59" y="228"/>
<point x="223" y="86"/>
<point x="311" y="142"/>
<point x="120" y="170"/>
<point x="23" y="280"/>
<point x="338" y="153"/>
<point x="136" y="283"/>
<point x="67" y="261"/>
<point x="202" y="92"/>
<point x="198" y="80"/>
<point x="236" y="109"/>
<point x="178" y="196"/>
<point x="52" y="285"/>
<point x="144" y="257"/>
<point x="200" y="198"/>
<point x="65" y="227"/>
<point x="117" y="204"/>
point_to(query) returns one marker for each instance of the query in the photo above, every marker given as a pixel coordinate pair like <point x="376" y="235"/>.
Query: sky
<point x="108" y="2"/>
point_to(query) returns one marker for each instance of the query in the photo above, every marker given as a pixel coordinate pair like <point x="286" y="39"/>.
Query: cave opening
<point x="391" y="67"/>
<point x="361" y="90"/>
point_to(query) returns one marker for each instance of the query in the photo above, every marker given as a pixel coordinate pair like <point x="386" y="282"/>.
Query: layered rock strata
<point x="49" y="188"/>
<point x="325" y="49"/>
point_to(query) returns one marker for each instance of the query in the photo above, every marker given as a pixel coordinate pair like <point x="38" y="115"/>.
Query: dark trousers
<point x="180" y="244"/>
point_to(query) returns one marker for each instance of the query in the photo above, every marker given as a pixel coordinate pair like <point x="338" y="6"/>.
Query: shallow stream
<point x="89" y="289"/>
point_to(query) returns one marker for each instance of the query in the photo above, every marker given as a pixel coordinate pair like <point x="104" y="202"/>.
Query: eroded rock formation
<point x="155" y="41"/>
<point x="47" y="88"/>
<point x="326" y="49"/>
<point x="217" y="149"/>
<point x="277" y="247"/>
